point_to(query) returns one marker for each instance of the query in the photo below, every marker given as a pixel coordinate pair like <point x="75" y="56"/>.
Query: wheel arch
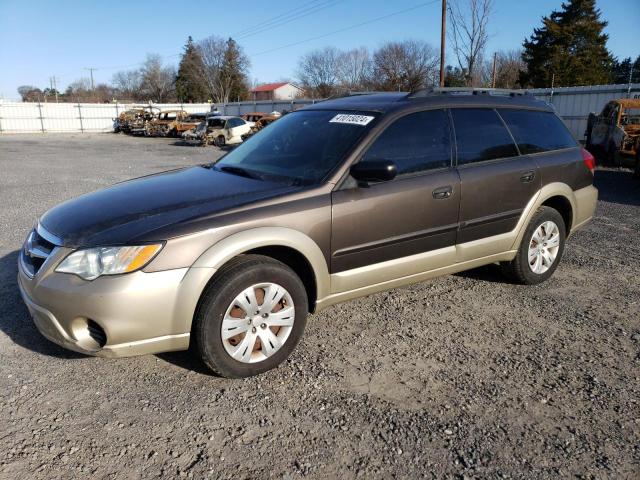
<point x="557" y="195"/>
<point x="291" y="247"/>
<point x="562" y="205"/>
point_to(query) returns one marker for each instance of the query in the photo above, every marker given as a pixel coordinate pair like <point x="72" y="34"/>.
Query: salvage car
<point x="339" y="200"/>
<point x="259" y="125"/>
<point x="164" y="125"/>
<point x="189" y="123"/>
<point x="253" y="117"/>
<point x="614" y="135"/>
<point x="220" y="130"/>
<point x="135" y="119"/>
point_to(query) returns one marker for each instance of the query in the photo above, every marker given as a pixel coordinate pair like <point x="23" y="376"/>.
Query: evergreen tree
<point x="190" y="84"/>
<point x="571" y="45"/>
<point x="455" y="77"/>
<point x="621" y="70"/>
<point x="233" y="73"/>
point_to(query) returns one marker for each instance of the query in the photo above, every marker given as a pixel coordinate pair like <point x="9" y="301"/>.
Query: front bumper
<point x="139" y="313"/>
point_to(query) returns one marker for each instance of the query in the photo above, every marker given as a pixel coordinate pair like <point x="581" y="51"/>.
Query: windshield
<point x="303" y="146"/>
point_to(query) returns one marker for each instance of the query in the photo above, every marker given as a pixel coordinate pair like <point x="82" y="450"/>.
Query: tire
<point x="220" y="141"/>
<point x="520" y="269"/>
<point x="636" y="168"/>
<point x="219" y="307"/>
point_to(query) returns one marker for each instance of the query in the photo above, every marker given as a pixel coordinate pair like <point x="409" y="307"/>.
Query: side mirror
<point x="374" y="171"/>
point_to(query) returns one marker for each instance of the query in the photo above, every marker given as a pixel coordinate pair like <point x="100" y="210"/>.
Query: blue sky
<point x="40" y="38"/>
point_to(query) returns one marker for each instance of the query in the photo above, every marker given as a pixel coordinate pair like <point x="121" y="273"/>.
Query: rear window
<point x="537" y="132"/>
<point x="481" y="135"/>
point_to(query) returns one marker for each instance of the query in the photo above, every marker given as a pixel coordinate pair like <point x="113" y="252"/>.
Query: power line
<point x="297" y="11"/>
<point x="288" y="19"/>
<point x="350" y="27"/>
<point x="260" y="24"/>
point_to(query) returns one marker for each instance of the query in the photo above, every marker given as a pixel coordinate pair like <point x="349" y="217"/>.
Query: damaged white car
<point x="219" y="130"/>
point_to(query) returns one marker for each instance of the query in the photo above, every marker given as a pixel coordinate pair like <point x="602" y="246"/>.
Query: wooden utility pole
<point x="443" y="29"/>
<point x="493" y="72"/>
<point x="91" y="69"/>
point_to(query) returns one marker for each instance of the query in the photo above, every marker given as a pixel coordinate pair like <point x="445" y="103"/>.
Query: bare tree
<point x="80" y="91"/>
<point x="128" y="83"/>
<point x="225" y="69"/>
<point x="468" y="32"/>
<point x="318" y="71"/>
<point x="509" y="64"/>
<point x="29" y="93"/>
<point x="354" y="69"/>
<point x="158" y="81"/>
<point x="407" y="65"/>
<point x="212" y="53"/>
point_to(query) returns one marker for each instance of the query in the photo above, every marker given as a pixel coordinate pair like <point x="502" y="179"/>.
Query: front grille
<point x="97" y="333"/>
<point x="35" y="251"/>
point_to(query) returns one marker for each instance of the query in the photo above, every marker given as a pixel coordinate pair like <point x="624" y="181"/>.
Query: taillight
<point x="589" y="160"/>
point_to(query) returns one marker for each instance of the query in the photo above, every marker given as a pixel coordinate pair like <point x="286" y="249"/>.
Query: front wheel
<point x="636" y="168"/>
<point x="221" y="141"/>
<point x="251" y="317"/>
<point x="540" y="250"/>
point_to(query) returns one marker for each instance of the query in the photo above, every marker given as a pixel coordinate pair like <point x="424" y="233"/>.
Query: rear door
<point x="414" y="213"/>
<point x="496" y="182"/>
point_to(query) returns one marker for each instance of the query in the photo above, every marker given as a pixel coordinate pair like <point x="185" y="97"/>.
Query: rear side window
<point x="481" y="135"/>
<point x="536" y="132"/>
<point x="415" y="143"/>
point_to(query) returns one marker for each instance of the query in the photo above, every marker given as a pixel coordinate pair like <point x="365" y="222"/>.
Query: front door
<point x="416" y="212"/>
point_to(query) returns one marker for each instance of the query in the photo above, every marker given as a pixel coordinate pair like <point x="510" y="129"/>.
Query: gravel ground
<point x="466" y="376"/>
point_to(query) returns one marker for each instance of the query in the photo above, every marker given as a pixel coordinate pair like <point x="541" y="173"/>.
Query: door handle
<point x="528" y="177"/>
<point x="442" y="192"/>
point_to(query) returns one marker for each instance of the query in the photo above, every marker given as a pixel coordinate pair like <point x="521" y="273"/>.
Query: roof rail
<point x="349" y="93"/>
<point x="425" y="92"/>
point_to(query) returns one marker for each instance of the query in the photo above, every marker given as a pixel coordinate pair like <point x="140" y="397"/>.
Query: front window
<point x="302" y="147"/>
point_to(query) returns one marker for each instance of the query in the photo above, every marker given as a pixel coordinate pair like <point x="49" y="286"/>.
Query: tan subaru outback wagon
<point x="335" y="201"/>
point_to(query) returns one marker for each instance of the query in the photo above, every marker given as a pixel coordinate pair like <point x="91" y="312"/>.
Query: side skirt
<point x="359" y="277"/>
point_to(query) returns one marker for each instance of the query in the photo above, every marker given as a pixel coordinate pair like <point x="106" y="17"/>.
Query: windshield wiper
<point x="236" y="171"/>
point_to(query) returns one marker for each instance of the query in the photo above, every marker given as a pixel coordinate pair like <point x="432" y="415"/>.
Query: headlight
<point x="90" y="263"/>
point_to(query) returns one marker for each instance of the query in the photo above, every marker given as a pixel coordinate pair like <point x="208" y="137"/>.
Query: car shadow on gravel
<point x="487" y="273"/>
<point x="186" y="360"/>
<point x="617" y="186"/>
<point x="15" y="320"/>
<point x="186" y="143"/>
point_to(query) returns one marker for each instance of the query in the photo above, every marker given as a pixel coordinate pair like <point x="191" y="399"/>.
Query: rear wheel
<point x="251" y="317"/>
<point x="636" y="168"/>
<point x="540" y="250"/>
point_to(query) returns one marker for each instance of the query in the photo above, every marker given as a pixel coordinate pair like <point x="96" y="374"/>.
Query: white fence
<point x="17" y="117"/>
<point x="572" y="103"/>
<point x="23" y="117"/>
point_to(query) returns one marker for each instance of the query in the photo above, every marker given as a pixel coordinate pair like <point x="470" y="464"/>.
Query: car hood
<point x="153" y="208"/>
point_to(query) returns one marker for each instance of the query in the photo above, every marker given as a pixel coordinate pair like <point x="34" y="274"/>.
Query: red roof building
<point x="277" y="91"/>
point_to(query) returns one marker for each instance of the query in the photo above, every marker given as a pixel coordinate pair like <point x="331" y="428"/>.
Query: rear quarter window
<point x="536" y="132"/>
